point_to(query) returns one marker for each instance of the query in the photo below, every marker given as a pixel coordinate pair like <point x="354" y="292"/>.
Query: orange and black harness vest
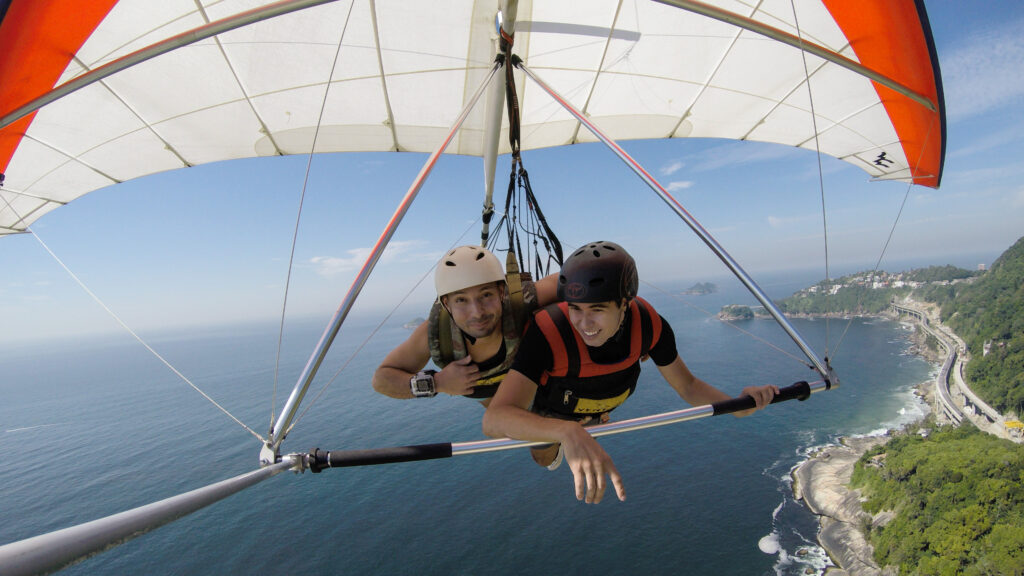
<point x="576" y="385"/>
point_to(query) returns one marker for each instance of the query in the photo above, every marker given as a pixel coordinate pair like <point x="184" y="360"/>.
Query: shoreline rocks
<point x="821" y="482"/>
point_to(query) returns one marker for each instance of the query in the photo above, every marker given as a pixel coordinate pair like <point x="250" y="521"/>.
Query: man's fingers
<point x="767" y="393"/>
<point x="580" y="480"/>
<point x="620" y="487"/>
<point x="599" y="488"/>
<point x="593" y="481"/>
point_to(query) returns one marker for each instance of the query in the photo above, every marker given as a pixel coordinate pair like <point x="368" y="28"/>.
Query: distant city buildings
<point x="878" y="280"/>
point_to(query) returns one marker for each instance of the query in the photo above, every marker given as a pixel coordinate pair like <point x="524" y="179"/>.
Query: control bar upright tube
<point x="57" y="550"/>
<point x="704" y="235"/>
<point x="280" y="429"/>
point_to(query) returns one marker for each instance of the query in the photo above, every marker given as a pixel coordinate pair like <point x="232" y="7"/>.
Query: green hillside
<point x="869" y="293"/>
<point x="957" y="495"/>
<point x="958" y="498"/>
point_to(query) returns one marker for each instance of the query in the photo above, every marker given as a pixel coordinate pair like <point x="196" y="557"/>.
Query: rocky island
<point x="734" y="312"/>
<point x="701" y="288"/>
<point x="413" y="324"/>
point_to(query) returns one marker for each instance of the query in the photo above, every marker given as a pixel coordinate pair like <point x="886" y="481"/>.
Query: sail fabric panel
<point x="402" y="72"/>
<point x="37" y="42"/>
<point x="134" y="25"/>
<point x="902" y="49"/>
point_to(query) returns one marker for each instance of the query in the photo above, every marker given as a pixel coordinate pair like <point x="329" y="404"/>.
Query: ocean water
<point x="92" y="428"/>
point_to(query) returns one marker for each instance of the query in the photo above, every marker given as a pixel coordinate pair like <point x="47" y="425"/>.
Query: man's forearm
<point x="393" y="382"/>
<point x="514" y="422"/>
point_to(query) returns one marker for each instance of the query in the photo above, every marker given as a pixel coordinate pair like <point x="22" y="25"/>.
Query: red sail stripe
<point x="37" y="41"/>
<point x="888" y="37"/>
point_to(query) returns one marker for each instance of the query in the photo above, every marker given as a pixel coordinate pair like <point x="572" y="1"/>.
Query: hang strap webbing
<point x="533" y="224"/>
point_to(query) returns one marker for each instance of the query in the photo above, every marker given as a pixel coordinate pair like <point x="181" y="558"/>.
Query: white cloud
<point x="36" y="298"/>
<point x="980" y="76"/>
<point x="396" y="252"/>
<point x="332" y="265"/>
<point x="924" y="198"/>
<point x="679" y="185"/>
<point x="738" y="153"/>
<point x="791" y="221"/>
<point x="672" y="168"/>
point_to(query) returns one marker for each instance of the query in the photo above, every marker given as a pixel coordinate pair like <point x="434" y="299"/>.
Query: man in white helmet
<point x="472" y="333"/>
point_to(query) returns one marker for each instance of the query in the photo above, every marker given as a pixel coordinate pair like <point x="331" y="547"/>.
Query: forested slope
<point x="959" y="501"/>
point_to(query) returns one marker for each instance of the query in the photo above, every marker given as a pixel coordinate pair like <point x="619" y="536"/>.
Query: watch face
<point x="423" y="384"/>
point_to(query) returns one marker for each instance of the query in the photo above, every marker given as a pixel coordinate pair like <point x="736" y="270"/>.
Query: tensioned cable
<point x="821" y="177"/>
<point x="903" y="203"/>
<point x="377" y="328"/>
<point x="821" y="181"/>
<point x="710" y="314"/>
<point x="298" y="215"/>
<point x="692" y="223"/>
<point x="732" y="325"/>
<point x="125" y="325"/>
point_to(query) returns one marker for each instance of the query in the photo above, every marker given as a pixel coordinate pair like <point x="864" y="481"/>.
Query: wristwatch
<point x="422" y="384"/>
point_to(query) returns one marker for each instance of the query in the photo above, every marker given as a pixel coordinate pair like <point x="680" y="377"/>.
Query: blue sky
<point x="210" y="244"/>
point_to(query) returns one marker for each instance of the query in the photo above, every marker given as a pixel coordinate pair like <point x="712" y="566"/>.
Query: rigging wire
<point x="124" y="325"/>
<point x="903" y="204"/>
<point x="533" y="225"/>
<point x="830" y="353"/>
<point x="733" y="325"/>
<point x="821" y="182"/>
<point x="298" y="216"/>
<point x="821" y="177"/>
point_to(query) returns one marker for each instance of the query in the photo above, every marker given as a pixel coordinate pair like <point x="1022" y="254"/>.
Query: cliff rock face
<point x="821" y="483"/>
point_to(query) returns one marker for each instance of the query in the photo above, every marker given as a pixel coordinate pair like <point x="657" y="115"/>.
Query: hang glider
<point x="99" y="94"/>
<point x="118" y="89"/>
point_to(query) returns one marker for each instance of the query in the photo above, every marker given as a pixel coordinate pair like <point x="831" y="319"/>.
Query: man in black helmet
<point x="580" y="359"/>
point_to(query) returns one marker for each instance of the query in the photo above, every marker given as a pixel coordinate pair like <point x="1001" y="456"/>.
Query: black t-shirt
<point x="495" y="360"/>
<point x="534" y="356"/>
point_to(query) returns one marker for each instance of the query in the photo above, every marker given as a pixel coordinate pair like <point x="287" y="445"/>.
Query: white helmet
<point x="466" y="266"/>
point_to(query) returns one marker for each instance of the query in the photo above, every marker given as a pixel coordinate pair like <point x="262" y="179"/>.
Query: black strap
<point x="646" y="330"/>
<point x="533" y="223"/>
<point x="444" y="334"/>
<point x="565" y="331"/>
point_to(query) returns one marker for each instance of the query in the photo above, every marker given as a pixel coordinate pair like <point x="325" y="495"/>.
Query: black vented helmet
<point x="598" y="272"/>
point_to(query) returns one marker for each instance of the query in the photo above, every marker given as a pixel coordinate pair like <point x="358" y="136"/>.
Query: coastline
<point x="822" y="481"/>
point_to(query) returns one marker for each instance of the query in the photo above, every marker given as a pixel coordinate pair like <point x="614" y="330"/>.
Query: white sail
<point x="639" y="69"/>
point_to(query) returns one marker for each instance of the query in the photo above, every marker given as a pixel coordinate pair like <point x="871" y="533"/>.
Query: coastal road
<point x="955" y="400"/>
